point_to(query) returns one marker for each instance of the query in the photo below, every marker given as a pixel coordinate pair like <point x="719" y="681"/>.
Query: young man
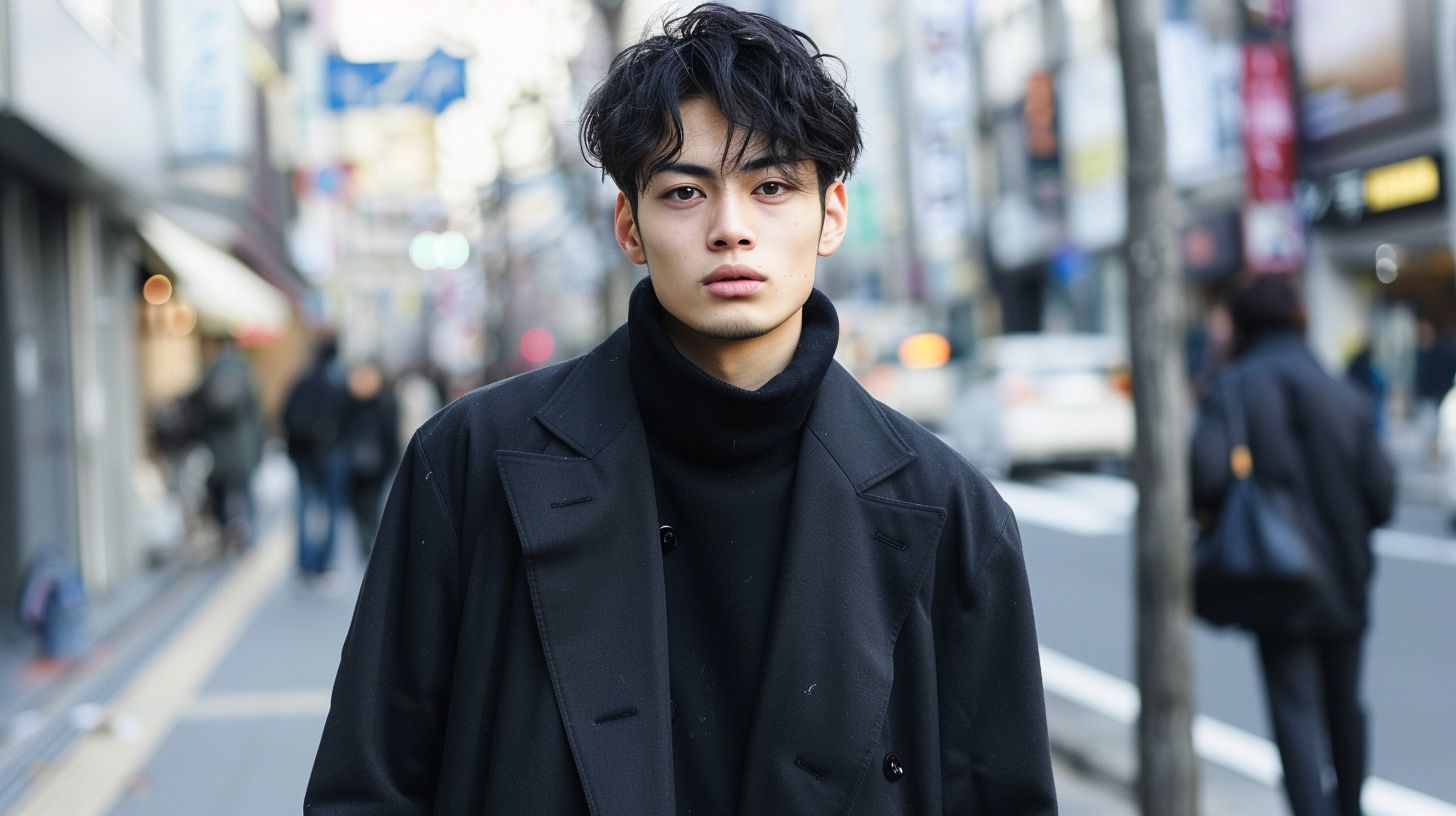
<point x="699" y="570"/>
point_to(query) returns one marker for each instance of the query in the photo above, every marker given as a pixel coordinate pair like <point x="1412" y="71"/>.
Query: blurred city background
<point x="196" y="195"/>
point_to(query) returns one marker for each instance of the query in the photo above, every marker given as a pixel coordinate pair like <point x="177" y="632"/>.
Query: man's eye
<point x="683" y="193"/>
<point x="771" y="188"/>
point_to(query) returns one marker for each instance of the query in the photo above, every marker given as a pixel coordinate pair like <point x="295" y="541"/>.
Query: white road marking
<point x="1093" y="506"/>
<point x="1415" y="547"/>
<point x="1215" y="741"/>
<point x="1063" y="510"/>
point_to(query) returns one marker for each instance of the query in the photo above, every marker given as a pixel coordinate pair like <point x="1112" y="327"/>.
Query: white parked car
<point x="1044" y="399"/>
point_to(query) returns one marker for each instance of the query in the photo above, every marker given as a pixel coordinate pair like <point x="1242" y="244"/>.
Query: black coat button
<point x="894" y="771"/>
<point x="669" y="538"/>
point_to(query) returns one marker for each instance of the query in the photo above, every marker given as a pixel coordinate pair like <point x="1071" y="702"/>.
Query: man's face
<point x="731" y="250"/>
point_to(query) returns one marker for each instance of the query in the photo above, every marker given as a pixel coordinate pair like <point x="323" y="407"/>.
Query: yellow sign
<point x="1413" y="181"/>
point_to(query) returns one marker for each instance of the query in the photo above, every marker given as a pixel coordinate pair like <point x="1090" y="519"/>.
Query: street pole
<point x="1168" y="768"/>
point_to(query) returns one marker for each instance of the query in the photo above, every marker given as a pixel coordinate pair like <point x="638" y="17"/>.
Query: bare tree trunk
<point x="1168" y="778"/>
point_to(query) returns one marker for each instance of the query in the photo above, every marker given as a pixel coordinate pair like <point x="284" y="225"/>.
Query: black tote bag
<point x="1254" y="569"/>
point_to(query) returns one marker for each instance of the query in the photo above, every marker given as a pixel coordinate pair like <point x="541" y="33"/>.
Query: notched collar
<point x="855" y="431"/>
<point x="596" y="401"/>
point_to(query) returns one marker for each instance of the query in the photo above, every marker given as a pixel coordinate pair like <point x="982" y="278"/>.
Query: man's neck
<point x="748" y="364"/>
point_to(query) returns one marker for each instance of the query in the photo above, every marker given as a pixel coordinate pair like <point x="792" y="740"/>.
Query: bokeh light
<point x="157" y="290"/>
<point x="925" y="350"/>
<point x="442" y="250"/>
<point x="537" y="345"/>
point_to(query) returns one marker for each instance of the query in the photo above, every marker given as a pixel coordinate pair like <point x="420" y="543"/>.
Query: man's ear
<point x="836" y="219"/>
<point x="629" y="238"/>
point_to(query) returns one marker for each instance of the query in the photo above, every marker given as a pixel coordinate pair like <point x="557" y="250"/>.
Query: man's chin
<point x="733" y="330"/>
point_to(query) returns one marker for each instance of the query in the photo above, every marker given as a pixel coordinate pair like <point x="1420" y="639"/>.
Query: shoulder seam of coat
<point x="997" y="545"/>
<point x="439" y="497"/>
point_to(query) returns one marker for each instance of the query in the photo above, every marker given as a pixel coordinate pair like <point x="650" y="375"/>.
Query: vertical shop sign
<point x="1094" y="143"/>
<point x="1273" y="232"/>
<point x="942" y="74"/>
<point x="209" y="97"/>
<point x="1268" y="122"/>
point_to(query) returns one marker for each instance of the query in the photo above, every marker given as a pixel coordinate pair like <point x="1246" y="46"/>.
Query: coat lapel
<point x="852" y="566"/>
<point x="585" y="514"/>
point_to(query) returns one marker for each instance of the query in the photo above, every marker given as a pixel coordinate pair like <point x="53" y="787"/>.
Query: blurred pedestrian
<point x="1312" y="439"/>
<point x="230" y="424"/>
<point x="1365" y="372"/>
<point x="1435" y="363"/>
<point x="314" y="422"/>
<point x="698" y="570"/>
<point x="373" y="438"/>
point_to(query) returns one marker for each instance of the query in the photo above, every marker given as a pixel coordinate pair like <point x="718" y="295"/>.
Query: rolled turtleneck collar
<point x="712" y="420"/>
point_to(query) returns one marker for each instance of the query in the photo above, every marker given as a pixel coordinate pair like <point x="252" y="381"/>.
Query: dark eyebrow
<point x="699" y="171"/>
<point x="768" y="161"/>
<point x="694" y="170"/>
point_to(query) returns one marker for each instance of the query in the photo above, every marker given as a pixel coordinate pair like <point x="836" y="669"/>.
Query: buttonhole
<point x="892" y="542"/>
<point x="616" y="715"/>
<point x="818" y="774"/>
<point x="570" y="502"/>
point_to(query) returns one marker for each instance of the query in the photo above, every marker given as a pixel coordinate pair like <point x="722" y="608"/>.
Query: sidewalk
<point x="212" y="703"/>
<point x="246" y="744"/>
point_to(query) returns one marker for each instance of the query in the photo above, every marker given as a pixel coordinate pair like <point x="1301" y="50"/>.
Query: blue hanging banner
<point x="433" y="82"/>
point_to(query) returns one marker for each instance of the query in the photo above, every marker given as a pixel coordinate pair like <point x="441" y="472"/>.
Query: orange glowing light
<point x="926" y="350"/>
<point x="157" y="290"/>
<point x="181" y="319"/>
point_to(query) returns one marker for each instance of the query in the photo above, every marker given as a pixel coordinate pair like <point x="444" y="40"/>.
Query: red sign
<point x="1269" y="126"/>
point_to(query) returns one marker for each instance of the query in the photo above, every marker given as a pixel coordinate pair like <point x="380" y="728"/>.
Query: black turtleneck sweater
<point x="723" y="462"/>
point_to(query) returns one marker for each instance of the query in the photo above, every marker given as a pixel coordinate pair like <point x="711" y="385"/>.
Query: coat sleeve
<point x="995" y="753"/>
<point x="382" y="741"/>
<point x="1208" y="458"/>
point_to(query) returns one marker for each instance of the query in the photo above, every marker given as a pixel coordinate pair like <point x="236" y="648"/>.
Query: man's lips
<point x="734" y="280"/>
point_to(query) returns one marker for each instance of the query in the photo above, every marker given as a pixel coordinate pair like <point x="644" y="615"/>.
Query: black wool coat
<point x="1312" y="437"/>
<point x="509" y="650"/>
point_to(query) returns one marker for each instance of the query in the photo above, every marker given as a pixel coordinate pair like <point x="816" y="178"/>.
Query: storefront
<point x="1379" y="273"/>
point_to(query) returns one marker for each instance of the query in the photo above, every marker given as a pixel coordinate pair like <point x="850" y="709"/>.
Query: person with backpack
<point x="1289" y="479"/>
<point x="229" y="422"/>
<point x="314" y="421"/>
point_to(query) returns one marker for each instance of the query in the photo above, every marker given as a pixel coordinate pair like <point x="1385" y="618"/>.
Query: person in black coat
<point x="314" y="420"/>
<point x="1312" y="437"/>
<point x="699" y="570"/>
<point x="372" y="431"/>
<point x="230" y="424"/>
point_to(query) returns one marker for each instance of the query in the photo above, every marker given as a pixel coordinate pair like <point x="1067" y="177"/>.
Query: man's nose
<point x="730" y="228"/>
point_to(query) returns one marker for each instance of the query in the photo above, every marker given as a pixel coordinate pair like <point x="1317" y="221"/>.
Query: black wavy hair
<point x="767" y="79"/>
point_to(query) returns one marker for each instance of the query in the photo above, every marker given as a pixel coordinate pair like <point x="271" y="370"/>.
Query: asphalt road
<point x="1082" y="586"/>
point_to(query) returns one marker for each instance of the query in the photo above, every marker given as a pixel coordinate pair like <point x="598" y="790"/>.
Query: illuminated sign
<point x="1350" y="197"/>
<point x="1403" y="184"/>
